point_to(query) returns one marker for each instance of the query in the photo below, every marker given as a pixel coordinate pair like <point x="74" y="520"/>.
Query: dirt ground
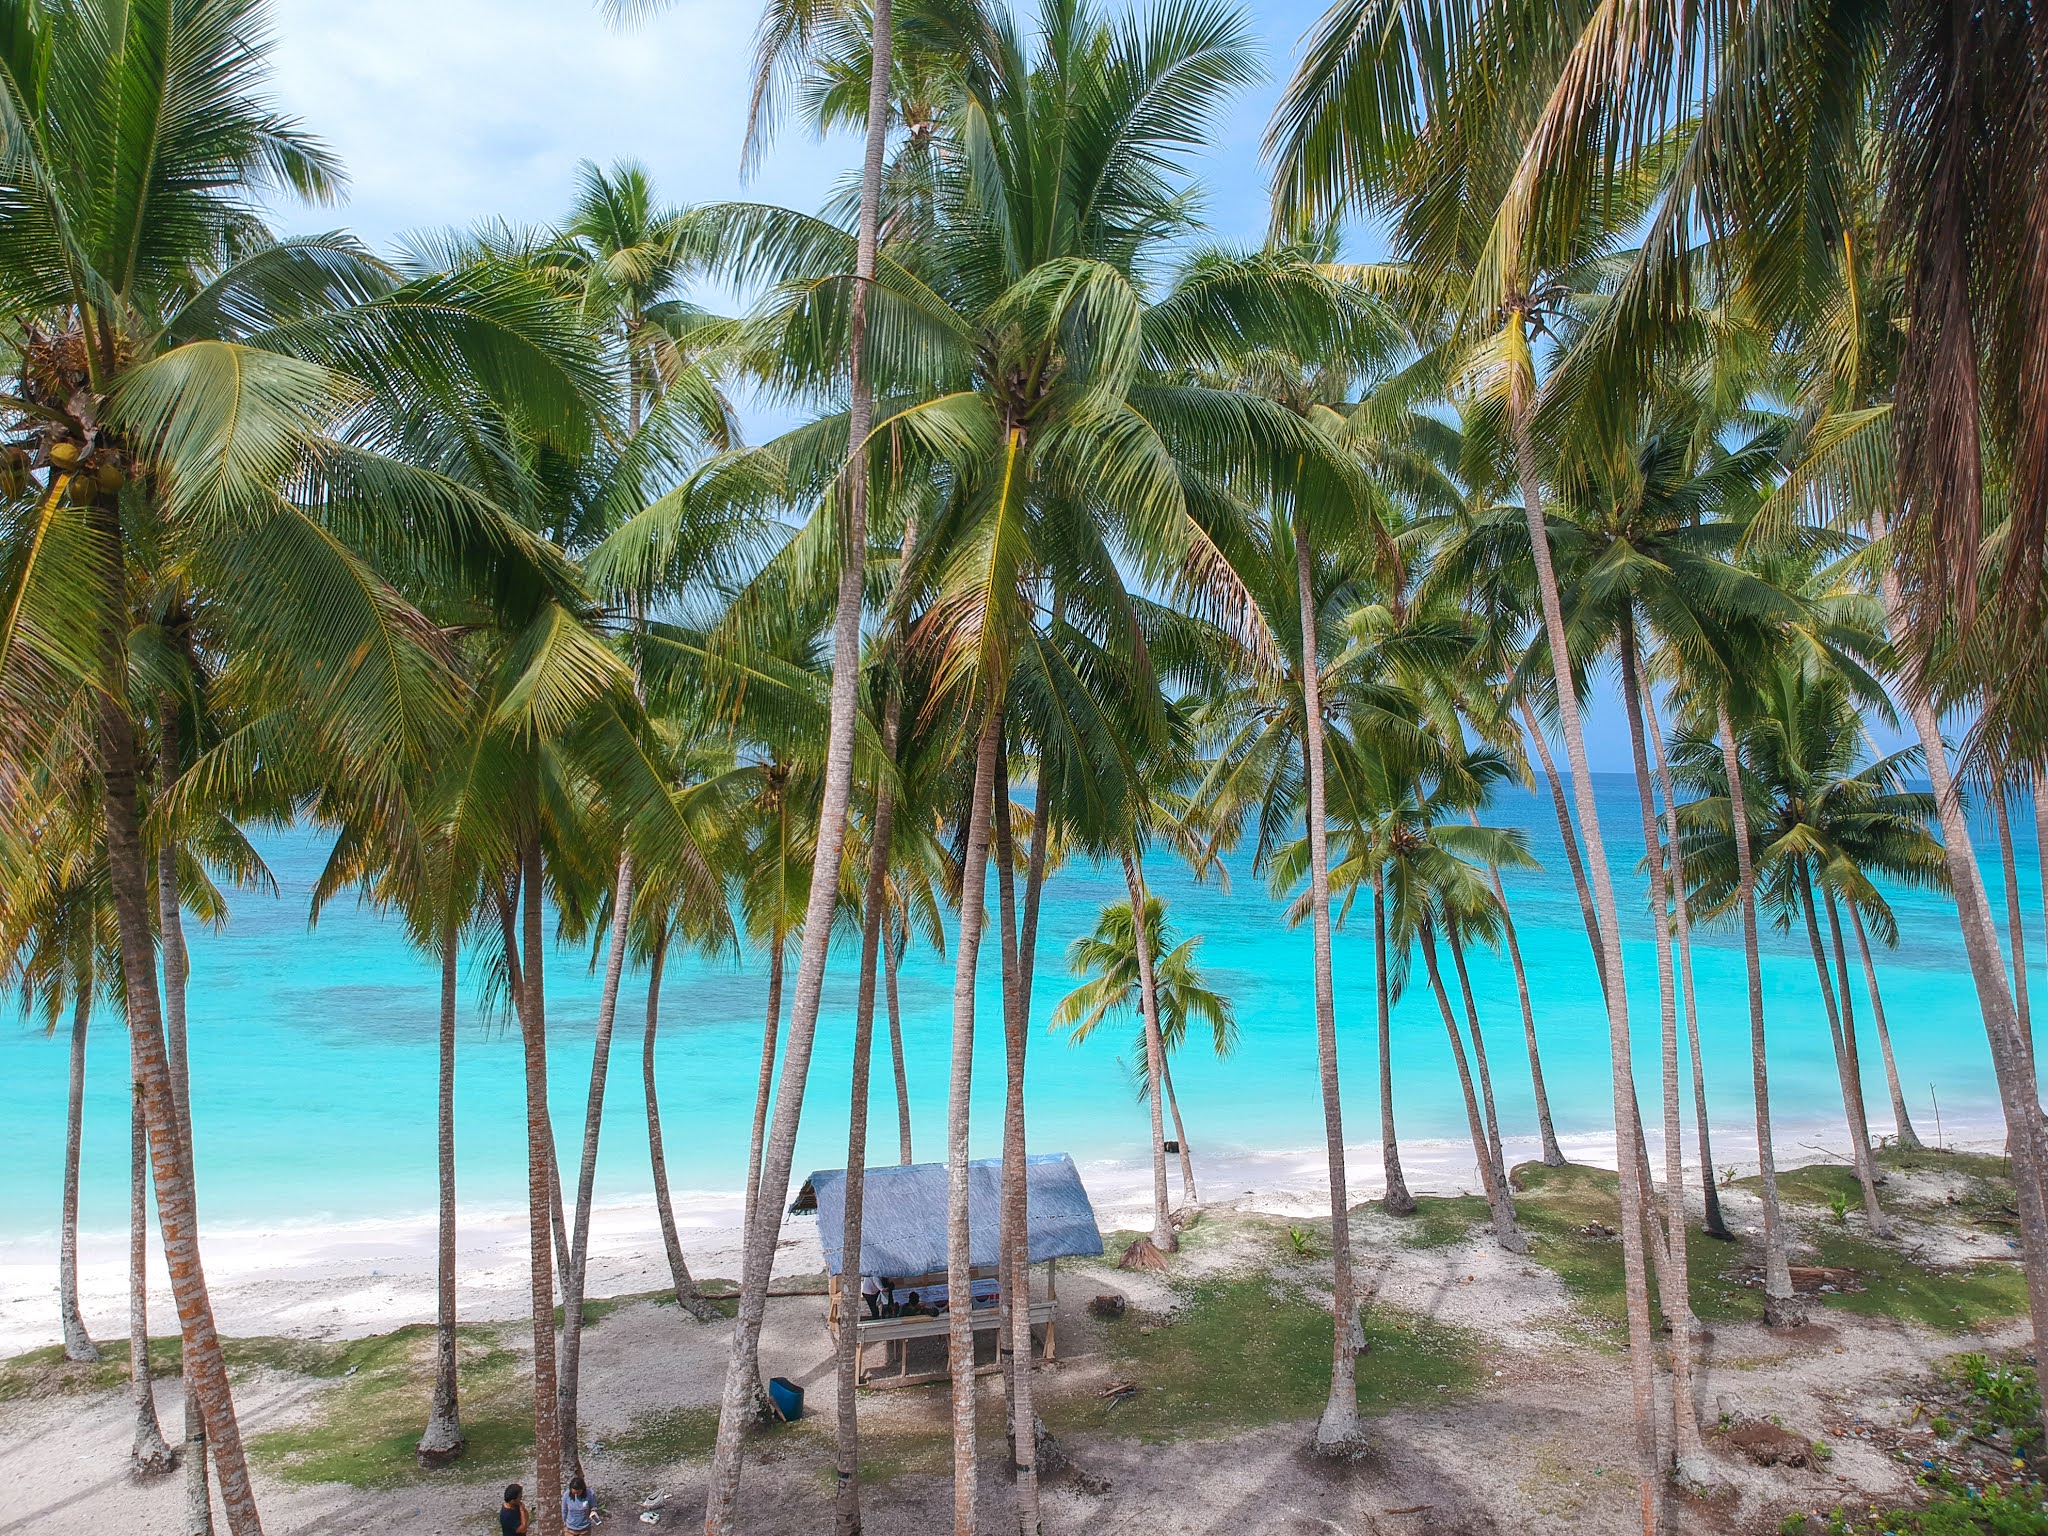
<point x="1528" y="1432"/>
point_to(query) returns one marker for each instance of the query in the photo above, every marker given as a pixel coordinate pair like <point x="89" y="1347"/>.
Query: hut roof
<point x="903" y="1220"/>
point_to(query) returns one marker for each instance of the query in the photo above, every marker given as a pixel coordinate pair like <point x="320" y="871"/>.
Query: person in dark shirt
<point x="512" y="1513"/>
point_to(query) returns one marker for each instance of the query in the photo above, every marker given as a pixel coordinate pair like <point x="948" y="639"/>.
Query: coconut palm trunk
<point x="1491" y="1182"/>
<point x="78" y="1344"/>
<point x="443" y="1440"/>
<point x="892" y="961"/>
<point x="764" y="1085"/>
<point x="1015" y="1251"/>
<point x="743" y="1377"/>
<point x="1163" y="1237"/>
<point x="1180" y="1136"/>
<point x="569" y="1380"/>
<point x="1852" y="1053"/>
<point x="2015" y="922"/>
<point x="1859" y="1135"/>
<point x="176" y="964"/>
<point x="1338" y="1429"/>
<point x="540" y="1180"/>
<point x="1486" y="1098"/>
<point x="129" y="883"/>
<point x="846" y="1517"/>
<point x="1674" y="1288"/>
<point x="1568" y="836"/>
<point x="147" y="1452"/>
<point x="1396" y="1201"/>
<point x="1627" y="1122"/>
<point x="2011" y="1058"/>
<point x="959" y="1273"/>
<point x="688" y="1297"/>
<point x="1715" y="1225"/>
<point x="1902" y="1123"/>
<point x="1781" y="1304"/>
<point x="1546" y="1128"/>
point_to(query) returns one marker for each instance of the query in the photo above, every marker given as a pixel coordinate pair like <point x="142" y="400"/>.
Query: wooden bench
<point x="896" y="1334"/>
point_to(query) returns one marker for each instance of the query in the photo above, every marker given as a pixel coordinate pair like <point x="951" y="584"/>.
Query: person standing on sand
<point x="512" y="1513"/>
<point x="579" y="1506"/>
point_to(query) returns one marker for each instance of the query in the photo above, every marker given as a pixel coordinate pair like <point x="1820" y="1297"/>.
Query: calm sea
<point x="313" y="1049"/>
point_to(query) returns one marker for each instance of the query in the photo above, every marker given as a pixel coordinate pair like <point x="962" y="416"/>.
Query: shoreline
<point x="338" y="1280"/>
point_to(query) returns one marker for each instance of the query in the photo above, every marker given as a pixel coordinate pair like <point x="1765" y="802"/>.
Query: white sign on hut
<point x="898" y="1295"/>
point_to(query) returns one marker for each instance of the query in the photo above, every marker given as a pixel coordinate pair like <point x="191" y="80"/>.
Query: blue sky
<point x="447" y="112"/>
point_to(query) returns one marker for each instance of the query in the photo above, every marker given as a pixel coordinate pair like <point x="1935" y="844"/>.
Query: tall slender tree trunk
<point x="743" y="1377"/>
<point x="443" y="1440"/>
<point x="1781" y="1304"/>
<point x="78" y="1344"/>
<point x="175" y="960"/>
<point x="1902" y="1123"/>
<point x="1675" y="1284"/>
<point x="1546" y="1128"/>
<point x="2039" y="775"/>
<point x="764" y="1085"/>
<point x="569" y="1381"/>
<point x="1568" y="836"/>
<point x="1852" y="1053"/>
<point x="1859" y="1136"/>
<point x="2011" y="1055"/>
<point x="959" y="1274"/>
<point x="1492" y="1182"/>
<point x="1627" y="1123"/>
<point x="1163" y="1237"/>
<point x="1715" y="1225"/>
<point x="846" y="1516"/>
<point x="147" y="1453"/>
<point x="540" y="1191"/>
<point x="129" y="883"/>
<point x="1396" y="1201"/>
<point x="892" y="960"/>
<point x="1486" y="1098"/>
<point x="1180" y="1136"/>
<point x="688" y="1297"/>
<point x="1015" y="1250"/>
<point x="2015" y="922"/>
<point x="1338" y="1429"/>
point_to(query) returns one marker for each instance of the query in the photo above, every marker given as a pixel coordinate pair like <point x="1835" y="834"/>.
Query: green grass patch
<point x="365" y="1427"/>
<point x="674" y="1434"/>
<point x="1559" y="1204"/>
<point x="1242" y="1351"/>
<point x="1946" y="1300"/>
<point x="1993" y="1512"/>
<point x="1443" y="1221"/>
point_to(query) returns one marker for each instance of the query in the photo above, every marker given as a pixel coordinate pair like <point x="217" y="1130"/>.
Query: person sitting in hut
<point x="914" y="1307"/>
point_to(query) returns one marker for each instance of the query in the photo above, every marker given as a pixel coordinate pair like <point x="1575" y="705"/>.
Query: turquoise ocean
<point x="314" y="1049"/>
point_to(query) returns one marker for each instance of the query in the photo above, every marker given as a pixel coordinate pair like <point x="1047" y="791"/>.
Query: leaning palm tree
<point x="1028" y="368"/>
<point x="1353" y="132"/>
<point x="791" y="33"/>
<point x="1106" y="960"/>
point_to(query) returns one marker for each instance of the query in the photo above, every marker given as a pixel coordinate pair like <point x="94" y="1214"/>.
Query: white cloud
<point x="450" y="111"/>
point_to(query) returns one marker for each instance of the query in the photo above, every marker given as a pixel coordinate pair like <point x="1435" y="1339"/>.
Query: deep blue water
<point x="313" y="1050"/>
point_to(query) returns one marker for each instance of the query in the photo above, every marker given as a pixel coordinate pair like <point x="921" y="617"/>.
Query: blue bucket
<point x="787" y="1397"/>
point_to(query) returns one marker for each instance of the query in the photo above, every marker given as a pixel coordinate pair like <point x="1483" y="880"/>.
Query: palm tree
<point x="1428" y="880"/>
<point x="1028" y="371"/>
<point x="52" y="940"/>
<point x="202" y="377"/>
<point x="1107" y="961"/>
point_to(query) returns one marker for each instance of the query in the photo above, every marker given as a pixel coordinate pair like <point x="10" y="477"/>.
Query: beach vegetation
<point x="1243" y="1351"/>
